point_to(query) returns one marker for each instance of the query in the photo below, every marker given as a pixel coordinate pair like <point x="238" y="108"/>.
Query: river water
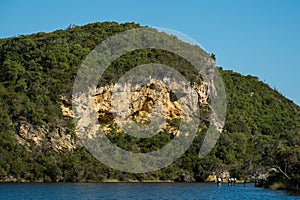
<point x="134" y="191"/>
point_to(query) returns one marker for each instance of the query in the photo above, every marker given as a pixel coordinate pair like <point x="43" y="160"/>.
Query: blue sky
<point x="257" y="37"/>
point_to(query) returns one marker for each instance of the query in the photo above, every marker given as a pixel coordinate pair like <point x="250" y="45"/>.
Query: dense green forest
<point x="262" y="129"/>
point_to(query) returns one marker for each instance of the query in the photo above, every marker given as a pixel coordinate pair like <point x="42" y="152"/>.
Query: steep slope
<point x="38" y="141"/>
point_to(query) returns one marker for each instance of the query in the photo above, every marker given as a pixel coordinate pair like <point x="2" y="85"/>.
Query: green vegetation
<point x="262" y="128"/>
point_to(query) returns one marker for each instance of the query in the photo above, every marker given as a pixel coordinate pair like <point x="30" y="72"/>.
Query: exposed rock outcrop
<point x="143" y="103"/>
<point x="57" y="138"/>
<point x="113" y="104"/>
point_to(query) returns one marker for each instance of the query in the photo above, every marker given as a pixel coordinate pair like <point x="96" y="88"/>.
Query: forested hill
<point x="38" y="141"/>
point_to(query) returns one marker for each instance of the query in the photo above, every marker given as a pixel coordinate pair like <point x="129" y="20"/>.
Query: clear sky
<point x="257" y="37"/>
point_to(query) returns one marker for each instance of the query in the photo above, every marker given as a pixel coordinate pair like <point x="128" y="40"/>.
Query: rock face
<point x="66" y="107"/>
<point x="57" y="138"/>
<point x="145" y="103"/>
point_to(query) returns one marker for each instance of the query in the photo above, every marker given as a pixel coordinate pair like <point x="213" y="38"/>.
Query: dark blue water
<point x="136" y="191"/>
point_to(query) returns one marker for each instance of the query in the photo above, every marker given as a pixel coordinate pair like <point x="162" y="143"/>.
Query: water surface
<point x="134" y="191"/>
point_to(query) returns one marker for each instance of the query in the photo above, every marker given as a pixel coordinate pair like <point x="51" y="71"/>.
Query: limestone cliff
<point x="57" y="138"/>
<point x="145" y="103"/>
<point x="142" y="105"/>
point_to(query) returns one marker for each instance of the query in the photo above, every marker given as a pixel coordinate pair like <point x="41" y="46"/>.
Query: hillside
<point x="38" y="141"/>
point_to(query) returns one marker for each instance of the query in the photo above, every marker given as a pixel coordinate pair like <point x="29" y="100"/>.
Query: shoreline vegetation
<point x="38" y="140"/>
